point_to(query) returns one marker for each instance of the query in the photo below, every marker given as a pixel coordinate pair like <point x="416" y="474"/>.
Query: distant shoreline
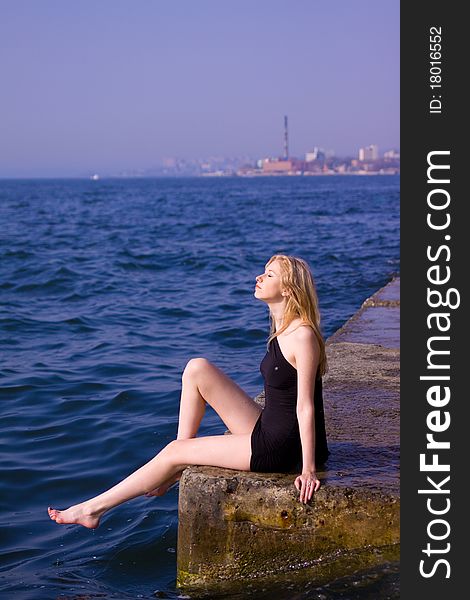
<point x="306" y="174"/>
<point x="201" y="175"/>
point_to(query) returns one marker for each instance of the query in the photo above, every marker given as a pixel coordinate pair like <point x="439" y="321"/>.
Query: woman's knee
<point x="170" y="451"/>
<point x="174" y="452"/>
<point x="195" y="366"/>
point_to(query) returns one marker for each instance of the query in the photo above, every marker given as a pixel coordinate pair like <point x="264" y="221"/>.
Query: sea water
<point x="107" y="289"/>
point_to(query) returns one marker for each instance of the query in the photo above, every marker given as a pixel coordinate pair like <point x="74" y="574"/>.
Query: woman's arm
<point x="307" y="355"/>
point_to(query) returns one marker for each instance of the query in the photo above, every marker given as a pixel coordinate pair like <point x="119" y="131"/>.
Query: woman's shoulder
<point x="304" y="338"/>
<point x="301" y="331"/>
<point x="300" y="336"/>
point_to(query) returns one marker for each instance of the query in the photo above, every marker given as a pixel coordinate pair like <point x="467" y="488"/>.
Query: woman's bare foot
<point x="161" y="490"/>
<point x="78" y="514"/>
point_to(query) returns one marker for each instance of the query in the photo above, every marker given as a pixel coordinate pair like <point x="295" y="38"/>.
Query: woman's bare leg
<point x="203" y="382"/>
<point x="162" y="489"/>
<point x="88" y="513"/>
<point x="228" y="451"/>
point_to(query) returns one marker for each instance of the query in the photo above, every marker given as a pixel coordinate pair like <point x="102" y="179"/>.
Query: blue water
<point x="107" y="288"/>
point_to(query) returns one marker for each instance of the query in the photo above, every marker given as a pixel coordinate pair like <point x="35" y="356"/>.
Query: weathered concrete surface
<point x="378" y="326"/>
<point x="237" y="525"/>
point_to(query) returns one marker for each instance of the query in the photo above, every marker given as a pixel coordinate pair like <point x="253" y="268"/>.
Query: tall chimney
<point x="286" y="143"/>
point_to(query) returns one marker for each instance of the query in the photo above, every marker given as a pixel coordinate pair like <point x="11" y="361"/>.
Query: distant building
<point x="315" y="160"/>
<point x="391" y="155"/>
<point x="277" y="166"/>
<point x="310" y="156"/>
<point x="315" y="154"/>
<point x="369" y="153"/>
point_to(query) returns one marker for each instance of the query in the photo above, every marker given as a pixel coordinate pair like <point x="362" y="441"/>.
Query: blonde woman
<point x="289" y="432"/>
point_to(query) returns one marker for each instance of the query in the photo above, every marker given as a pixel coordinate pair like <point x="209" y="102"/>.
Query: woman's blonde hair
<point x="302" y="300"/>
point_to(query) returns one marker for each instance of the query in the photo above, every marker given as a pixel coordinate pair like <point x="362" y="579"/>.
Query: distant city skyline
<point x="368" y="160"/>
<point x="110" y="86"/>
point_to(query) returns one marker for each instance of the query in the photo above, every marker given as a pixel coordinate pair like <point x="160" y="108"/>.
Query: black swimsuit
<point x="275" y="441"/>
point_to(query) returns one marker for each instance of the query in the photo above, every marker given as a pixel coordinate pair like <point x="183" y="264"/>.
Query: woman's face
<point x="268" y="285"/>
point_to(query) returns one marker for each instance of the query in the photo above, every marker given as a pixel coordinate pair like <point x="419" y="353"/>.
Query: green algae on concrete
<point x="353" y="569"/>
<point x="236" y="525"/>
<point x="245" y="526"/>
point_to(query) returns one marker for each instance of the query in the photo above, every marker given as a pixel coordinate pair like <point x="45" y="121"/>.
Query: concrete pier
<point x="236" y="525"/>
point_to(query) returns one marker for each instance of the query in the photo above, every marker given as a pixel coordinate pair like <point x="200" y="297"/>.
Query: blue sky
<point x="111" y="84"/>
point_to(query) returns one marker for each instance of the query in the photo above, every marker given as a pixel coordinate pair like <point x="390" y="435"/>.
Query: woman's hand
<point x="307" y="483"/>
